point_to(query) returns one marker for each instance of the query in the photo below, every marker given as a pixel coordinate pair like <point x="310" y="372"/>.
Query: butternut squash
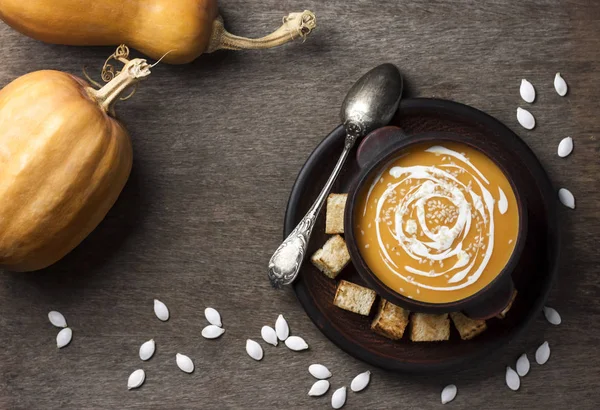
<point x="64" y="160"/>
<point x="185" y="28"/>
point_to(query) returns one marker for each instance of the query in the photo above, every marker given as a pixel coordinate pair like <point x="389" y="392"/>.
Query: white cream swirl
<point x="455" y="209"/>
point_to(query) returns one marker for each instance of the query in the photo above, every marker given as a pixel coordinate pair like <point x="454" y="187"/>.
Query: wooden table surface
<point x="218" y="144"/>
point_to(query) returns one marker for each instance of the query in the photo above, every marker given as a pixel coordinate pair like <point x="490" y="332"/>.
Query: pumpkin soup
<point x="438" y="223"/>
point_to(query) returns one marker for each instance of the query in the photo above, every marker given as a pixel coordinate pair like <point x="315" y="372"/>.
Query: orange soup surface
<point x="438" y="223"/>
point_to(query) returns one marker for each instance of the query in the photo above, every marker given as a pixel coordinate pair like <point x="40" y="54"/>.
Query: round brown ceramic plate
<point x="534" y="273"/>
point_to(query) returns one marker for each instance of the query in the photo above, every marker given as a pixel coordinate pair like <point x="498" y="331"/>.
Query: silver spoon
<point x="370" y="104"/>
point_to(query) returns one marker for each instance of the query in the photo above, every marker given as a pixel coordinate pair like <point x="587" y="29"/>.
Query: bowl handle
<point x="494" y="304"/>
<point x="377" y="142"/>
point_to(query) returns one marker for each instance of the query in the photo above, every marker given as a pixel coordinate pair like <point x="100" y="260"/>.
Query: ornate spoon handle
<point x="287" y="259"/>
<point x="370" y="103"/>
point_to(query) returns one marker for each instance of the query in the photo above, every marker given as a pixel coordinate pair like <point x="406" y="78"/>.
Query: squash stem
<point x="295" y="25"/>
<point x="133" y="72"/>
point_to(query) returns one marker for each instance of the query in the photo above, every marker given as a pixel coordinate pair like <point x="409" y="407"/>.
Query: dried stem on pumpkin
<point x="118" y="81"/>
<point x="295" y="25"/>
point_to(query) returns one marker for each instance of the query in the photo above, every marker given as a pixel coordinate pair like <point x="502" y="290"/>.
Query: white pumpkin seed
<point x="147" y="349"/>
<point x="525" y="118"/>
<point x="338" y="399"/>
<point x="319" y="388"/>
<point x="360" y="382"/>
<point x="566" y="198"/>
<point x="523" y="365"/>
<point x="319" y="371"/>
<point x="552" y="315"/>
<point x="57" y="319"/>
<point x="527" y="91"/>
<point x="281" y="328"/>
<point x="542" y="354"/>
<point x="296" y="343"/>
<point x="184" y="363"/>
<point x="64" y="337"/>
<point x="136" y="379"/>
<point x="161" y="310"/>
<point x="268" y="334"/>
<point x="212" y="332"/>
<point x="512" y="379"/>
<point x="213" y="317"/>
<point x="449" y="393"/>
<point x="254" y="350"/>
<point x="565" y="147"/>
<point x="560" y="85"/>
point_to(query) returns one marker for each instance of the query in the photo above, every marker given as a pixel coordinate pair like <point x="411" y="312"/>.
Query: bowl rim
<point x="383" y="159"/>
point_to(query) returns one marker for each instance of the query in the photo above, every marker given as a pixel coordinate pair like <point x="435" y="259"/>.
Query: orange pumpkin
<point x="63" y="162"/>
<point x="183" y="28"/>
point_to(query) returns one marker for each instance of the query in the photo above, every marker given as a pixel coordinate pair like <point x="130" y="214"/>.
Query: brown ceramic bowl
<point x="385" y="145"/>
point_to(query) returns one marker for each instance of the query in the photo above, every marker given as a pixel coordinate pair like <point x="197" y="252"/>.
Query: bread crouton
<point x="429" y="328"/>
<point x="391" y="320"/>
<point x="334" y="217"/>
<point x="502" y="314"/>
<point x="467" y="328"/>
<point x="353" y="297"/>
<point x="332" y="257"/>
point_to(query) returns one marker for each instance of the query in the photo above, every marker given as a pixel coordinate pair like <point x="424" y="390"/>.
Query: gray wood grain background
<point x="218" y="144"/>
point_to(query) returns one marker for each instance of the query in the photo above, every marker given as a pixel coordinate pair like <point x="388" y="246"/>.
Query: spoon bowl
<point x="373" y="100"/>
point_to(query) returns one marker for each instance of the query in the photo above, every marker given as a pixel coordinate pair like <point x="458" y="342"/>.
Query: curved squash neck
<point x="295" y="25"/>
